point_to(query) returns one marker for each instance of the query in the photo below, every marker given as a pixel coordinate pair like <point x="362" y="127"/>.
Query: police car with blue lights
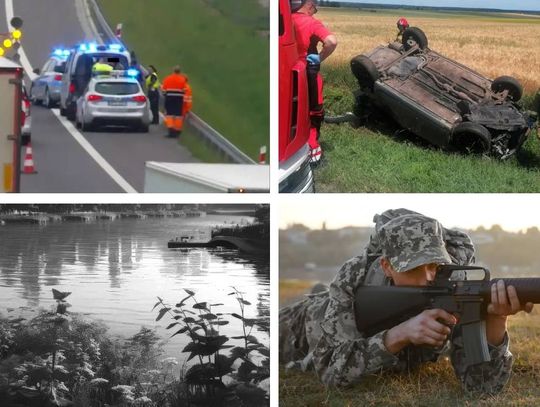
<point x="113" y="98"/>
<point x="78" y="71"/>
<point x="45" y="88"/>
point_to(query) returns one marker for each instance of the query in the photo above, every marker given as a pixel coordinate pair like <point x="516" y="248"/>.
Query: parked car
<point x="46" y="86"/>
<point x="111" y="100"/>
<point x="439" y="99"/>
<point x="78" y="71"/>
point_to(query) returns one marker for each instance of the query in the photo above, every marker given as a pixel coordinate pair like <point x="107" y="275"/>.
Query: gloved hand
<point x="313" y="59"/>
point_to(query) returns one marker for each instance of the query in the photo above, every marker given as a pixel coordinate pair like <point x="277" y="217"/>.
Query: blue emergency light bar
<point x="116" y="47"/>
<point x="90" y="47"/>
<point x="132" y="72"/>
<point x="93" y="47"/>
<point x="61" y="52"/>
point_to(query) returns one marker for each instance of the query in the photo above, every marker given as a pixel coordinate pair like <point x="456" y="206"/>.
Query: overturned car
<point x="440" y="100"/>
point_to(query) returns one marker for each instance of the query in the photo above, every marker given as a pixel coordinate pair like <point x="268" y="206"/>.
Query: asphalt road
<point x="62" y="164"/>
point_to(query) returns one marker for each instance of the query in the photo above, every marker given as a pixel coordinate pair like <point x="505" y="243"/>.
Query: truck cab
<point x="295" y="174"/>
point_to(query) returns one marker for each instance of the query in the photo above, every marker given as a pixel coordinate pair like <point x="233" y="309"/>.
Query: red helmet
<point x="402" y="23"/>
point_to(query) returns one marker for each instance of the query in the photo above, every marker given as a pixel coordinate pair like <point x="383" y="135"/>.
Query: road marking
<point x="98" y="158"/>
<point x="87" y="24"/>
<point x="85" y="144"/>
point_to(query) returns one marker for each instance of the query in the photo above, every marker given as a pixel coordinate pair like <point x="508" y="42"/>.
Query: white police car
<point x="46" y="86"/>
<point x="113" y="99"/>
<point x="78" y="71"/>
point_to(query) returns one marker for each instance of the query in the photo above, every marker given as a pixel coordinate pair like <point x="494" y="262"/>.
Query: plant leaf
<point x="171" y="325"/>
<point x="191" y="293"/>
<point x="200" y="305"/>
<point x="157" y="303"/>
<point x="215" y="305"/>
<point x="180" y="331"/>
<point x="162" y="312"/>
<point x="209" y="316"/>
<point x="245" y="302"/>
<point x="237" y="316"/>
<point x="220" y="322"/>
<point x="189" y="320"/>
<point x="181" y="303"/>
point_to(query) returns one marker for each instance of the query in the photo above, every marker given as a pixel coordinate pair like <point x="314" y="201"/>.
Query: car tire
<point x="144" y="128"/>
<point x="33" y="99"/>
<point x="414" y="36"/>
<point x="86" y="126"/>
<point x="472" y="138"/>
<point x="47" y="102"/>
<point x="62" y="110"/>
<point x="502" y="83"/>
<point x="365" y="71"/>
<point x="71" y="113"/>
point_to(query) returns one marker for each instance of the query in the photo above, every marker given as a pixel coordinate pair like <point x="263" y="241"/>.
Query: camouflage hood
<point x="410" y="240"/>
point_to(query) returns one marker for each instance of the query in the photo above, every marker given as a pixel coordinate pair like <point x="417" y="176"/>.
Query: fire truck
<point x="11" y="76"/>
<point x="295" y="174"/>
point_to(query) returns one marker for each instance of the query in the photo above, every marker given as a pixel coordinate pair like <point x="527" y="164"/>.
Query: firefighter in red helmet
<point x="402" y="25"/>
<point x="309" y="33"/>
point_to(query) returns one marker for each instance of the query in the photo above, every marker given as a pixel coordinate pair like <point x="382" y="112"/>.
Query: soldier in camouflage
<point x="319" y="331"/>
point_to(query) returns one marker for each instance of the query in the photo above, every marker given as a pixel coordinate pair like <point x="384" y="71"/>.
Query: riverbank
<point x="60" y="358"/>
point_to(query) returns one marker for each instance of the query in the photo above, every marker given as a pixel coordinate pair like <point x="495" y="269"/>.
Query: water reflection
<point x="115" y="269"/>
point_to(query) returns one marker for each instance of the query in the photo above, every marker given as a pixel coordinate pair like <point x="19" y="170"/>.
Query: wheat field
<point x="493" y="45"/>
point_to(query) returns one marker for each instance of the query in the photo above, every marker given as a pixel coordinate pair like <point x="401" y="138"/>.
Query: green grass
<point x="376" y="159"/>
<point x="227" y="60"/>
<point x="434" y="384"/>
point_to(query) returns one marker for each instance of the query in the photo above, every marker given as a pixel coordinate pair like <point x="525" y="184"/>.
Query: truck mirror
<point x="36" y="71"/>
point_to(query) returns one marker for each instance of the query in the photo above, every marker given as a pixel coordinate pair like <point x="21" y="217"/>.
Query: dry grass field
<point x="492" y="44"/>
<point x="433" y="384"/>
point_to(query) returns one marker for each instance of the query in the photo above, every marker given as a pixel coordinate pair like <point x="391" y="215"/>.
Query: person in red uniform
<point x="402" y="25"/>
<point x="174" y="88"/>
<point x="310" y="32"/>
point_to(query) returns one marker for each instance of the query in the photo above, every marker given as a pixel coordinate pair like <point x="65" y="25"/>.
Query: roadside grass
<point x="227" y="61"/>
<point x="433" y="384"/>
<point x="375" y="157"/>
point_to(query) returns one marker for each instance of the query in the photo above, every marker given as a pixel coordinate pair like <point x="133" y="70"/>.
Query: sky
<point x="514" y="212"/>
<point x="531" y="5"/>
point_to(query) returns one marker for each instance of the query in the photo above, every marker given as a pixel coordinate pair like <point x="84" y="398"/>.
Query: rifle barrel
<point x="528" y="289"/>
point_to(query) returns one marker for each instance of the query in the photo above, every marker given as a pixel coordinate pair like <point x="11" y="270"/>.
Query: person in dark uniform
<point x="152" y="86"/>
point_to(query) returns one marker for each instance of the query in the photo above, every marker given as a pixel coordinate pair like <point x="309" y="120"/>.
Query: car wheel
<point x="62" y="110"/>
<point x="47" y="102"/>
<point x="365" y="71"/>
<point x="86" y="126"/>
<point x="414" y="36"/>
<point x="70" y="113"/>
<point x="472" y="138"/>
<point x="143" y="128"/>
<point x="512" y="85"/>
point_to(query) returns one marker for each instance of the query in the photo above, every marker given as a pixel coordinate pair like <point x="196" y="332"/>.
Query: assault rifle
<point x="377" y="308"/>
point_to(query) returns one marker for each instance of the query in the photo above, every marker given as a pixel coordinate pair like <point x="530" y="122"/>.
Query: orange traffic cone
<point x="28" y="166"/>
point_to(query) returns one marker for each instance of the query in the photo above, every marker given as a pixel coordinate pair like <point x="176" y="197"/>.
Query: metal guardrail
<point x="203" y="129"/>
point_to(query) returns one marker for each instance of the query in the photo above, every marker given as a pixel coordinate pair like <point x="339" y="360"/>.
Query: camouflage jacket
<point x="324" y="326"/>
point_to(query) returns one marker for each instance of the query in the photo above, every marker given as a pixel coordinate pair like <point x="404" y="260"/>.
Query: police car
<point x="78" y="71"/>
<point x="46" y="86"/>
<point x="113" y="99"/>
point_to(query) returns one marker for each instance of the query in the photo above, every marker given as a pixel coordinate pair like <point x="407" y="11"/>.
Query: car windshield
<point x="117" y="88"/>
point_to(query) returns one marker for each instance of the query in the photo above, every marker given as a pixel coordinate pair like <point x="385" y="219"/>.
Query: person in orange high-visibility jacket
<point x="174" y="88"/>
<point x="188" y="99"/>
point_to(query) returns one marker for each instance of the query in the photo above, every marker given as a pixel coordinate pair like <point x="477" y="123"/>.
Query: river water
<point x="116" y="269"/>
